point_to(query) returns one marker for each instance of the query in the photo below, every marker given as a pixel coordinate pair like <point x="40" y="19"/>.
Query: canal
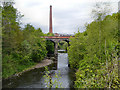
<point x="35" y="78"/>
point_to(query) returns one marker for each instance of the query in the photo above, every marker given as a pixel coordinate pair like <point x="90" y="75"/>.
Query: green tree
<point x="99" y="54"/>
<point x="21" y="48"/>
<point x="50" y="47"/>
<point x="38" y="45"/>
<point x="11" y="29"/>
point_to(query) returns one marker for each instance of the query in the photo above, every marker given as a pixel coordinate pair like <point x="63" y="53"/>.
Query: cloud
<point x="68" y="15"/>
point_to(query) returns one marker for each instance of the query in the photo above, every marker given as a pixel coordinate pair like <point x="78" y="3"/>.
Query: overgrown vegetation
<point x="50" y="47"/>
<point x="52" y="83"/>
<point x="21" y="47"/>
<point x="94" y="54"/>
<point x="62" y="45"/>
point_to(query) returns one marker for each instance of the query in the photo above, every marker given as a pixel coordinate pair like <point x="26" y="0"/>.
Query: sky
<point x="68" y="15"/>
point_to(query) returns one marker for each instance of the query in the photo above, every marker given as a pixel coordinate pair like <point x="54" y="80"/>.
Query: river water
<point x="35" y="79"/>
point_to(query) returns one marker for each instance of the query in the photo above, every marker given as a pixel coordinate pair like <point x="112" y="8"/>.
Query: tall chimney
<point x="50" y="27"/>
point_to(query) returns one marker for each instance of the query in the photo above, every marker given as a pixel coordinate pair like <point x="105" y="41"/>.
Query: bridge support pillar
<point x="56" y="48"/>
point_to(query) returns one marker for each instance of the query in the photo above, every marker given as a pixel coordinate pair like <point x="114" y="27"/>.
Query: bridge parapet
<point x="56" y="37"/>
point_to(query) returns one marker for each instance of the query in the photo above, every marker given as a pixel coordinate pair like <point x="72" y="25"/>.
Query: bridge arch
<point x="56" y="40"/>
<point x="67" y="40"/>
<point x="51" y="40"/>
<point x="63" y="44"/>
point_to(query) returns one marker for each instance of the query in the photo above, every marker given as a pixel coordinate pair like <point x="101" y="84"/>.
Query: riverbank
<point x="59" y="72"/>
<point x="42" y="64"/>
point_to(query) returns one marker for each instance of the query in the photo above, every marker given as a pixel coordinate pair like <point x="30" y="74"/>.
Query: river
<point x="35" y="79"/>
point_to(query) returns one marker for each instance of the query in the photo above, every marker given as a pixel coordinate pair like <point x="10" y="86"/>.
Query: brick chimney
<point x="50" y="24"/>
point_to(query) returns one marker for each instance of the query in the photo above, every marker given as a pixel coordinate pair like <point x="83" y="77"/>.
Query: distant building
<point x="56" y="34"/>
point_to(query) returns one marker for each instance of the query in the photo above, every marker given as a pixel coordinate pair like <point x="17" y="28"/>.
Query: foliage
<point x="21" y="48"/>
<point x="36" y="44"/>
<point x="62" y="45"/>
<point x="50" y="47"/>
<point x="50" y="34"/>
<point x="101" y="10"/>
<point x="94" y="54"/>
<point x="76" y="50"/>
<point x="48" y="79"/>
<point x="50" y="44"/>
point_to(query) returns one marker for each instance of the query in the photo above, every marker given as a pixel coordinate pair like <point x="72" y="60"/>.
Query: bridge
<point x="57" y="37"/>
<point x="56" y="40"/>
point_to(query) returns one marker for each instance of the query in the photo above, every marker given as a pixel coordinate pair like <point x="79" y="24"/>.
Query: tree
<point x="50" y="47"/>
<point x="11" y="28"/>
<point x="21" y="47"/>
<point x="98" y="67"/>
<point x="96" y="63"/>
<point x="100" y="10"/>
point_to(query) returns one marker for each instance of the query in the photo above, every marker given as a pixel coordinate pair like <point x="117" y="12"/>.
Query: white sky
<point x="68" y="15"/>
